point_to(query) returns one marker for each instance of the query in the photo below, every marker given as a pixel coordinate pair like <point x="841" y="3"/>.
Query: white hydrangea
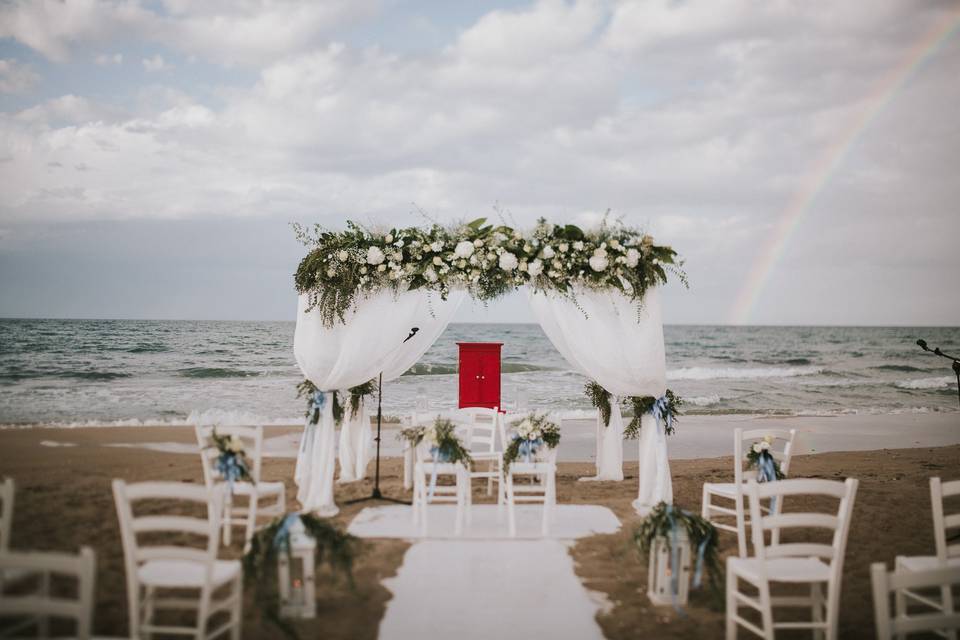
<point x="578" y="246"/>
<point x="526" y="430"/>
<point x="508" y="261"/>
<point x="331" y="272"/>
<point x="633" y="258"/>
<point x="437" y="260"/>
<point x="478" y="243"/>
<point x="598" y="261"/>
<point x="535" y="268"/>
<point x="343" y="256"/>
<point x="436" y="246"/>
<point x="375" y="255"/>
<point x="381" y="268"/>
<point x="756" y="447"/>
<point x="389" y="238"/>
<point x="564" y="247"/>
<point x="430" y="274"/>
<point x="548" y="252"/>
<point x="464" y="249"/>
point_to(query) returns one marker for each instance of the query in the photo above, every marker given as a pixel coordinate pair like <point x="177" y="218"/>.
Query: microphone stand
<point x="377" y="495"/>
<point x="956" y="361"/>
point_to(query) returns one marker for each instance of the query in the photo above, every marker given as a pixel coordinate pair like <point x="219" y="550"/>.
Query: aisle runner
<point x="491" y="586"/>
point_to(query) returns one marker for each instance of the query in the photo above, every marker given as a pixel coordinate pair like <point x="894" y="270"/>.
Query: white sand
<point x="485" y="586"/>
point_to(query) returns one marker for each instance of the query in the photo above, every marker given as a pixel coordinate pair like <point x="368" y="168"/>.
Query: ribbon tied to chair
<point x="281" y="540"/>
<point x="528" y="448"/>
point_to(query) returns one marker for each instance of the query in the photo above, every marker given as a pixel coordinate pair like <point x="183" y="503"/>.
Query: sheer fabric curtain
<point x="370" y="341"/>
<point x="605" y="337"/>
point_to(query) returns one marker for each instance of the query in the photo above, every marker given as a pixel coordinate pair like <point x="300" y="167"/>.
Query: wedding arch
<point x="594" y="293"/>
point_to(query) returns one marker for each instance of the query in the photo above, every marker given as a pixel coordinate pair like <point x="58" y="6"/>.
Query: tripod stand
<point x="956" y="361"/>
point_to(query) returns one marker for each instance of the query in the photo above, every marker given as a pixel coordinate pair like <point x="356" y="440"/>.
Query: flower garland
<point x="232" y="462"/>
<point x="669" y="408"/>
<point x="663" y="521"/>
<point x="530" y="434"/>
<point x="445" y="446"/>
<point x="489" y="261"/>
<point x="760" y="458"/>
<point x="334" y="546"/>
<point x="315" y="400"/>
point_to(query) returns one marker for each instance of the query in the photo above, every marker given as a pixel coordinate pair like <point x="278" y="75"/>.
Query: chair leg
<point x="236" y="613"/>
<point x="816" y="606"/>
<point x="511" y="515"/>
<point x="150" y="595"/>
<point x="252" y="505"/>
<point x="227" y="518"/>
<point x="741" y="527"/>
<point x="731" y="631"/>
<point x="705" y="503"/>
<point x="461" y="504"/>
<point x="766" y="611"/>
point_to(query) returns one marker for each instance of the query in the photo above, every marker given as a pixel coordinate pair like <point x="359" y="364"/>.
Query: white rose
<point x="508" y="261"/>
<point x="235" y="444"/>
<point x="436" y="246"/>
<point x="389" y="238"/>
<point x="528" y="248"/>
<point x="578" y="245"/>
<point x="523" y="266"/>
<point x="342" y="256"/>
<point x="615" y="243"/>
<point x="548" y="252"/>
<point x="756" y="447"/>
<point x="331" y="272"/>
<point x="633" y="257"/>
<point x="598" y="262"/>
<point x="564" y="247"/>
<point x="765" y="446"/>
<point x="535" y="268"/>
<point x="464" y="249"/>
<point x="478" y="243"/>
<point x="381" y="268"/>
<point x="437" y="260"/>
<point x="374" y="255"/>
<point x="430" y="275"/>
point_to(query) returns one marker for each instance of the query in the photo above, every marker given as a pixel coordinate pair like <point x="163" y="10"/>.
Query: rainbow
<point x="829" y="162"/>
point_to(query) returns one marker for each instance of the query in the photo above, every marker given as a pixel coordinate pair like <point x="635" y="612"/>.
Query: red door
<point x="480" y="374"/>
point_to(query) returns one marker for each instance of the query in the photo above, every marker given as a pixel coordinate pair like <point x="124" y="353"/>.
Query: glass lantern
<point x="660" y="579"/>
<point x="295" y="573"/>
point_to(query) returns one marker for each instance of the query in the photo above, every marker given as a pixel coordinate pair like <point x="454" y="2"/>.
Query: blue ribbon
<point x="281" y="541"/>
<point x="231" y="467"/>
<point x="317" y="402"/>
<point x="661" y="412"/>
<point x="767" y="472"/>
<point x="529" y="447"/>
<point x="438" y="455"/>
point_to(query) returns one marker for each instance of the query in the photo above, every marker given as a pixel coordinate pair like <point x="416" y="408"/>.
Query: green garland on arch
<point x="600" y="398"/>
<point x="487" y="260"/>
<point x="306" y="389"/>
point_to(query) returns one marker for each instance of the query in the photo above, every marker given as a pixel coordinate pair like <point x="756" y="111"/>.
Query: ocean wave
<point x="702" y="401"/>
<point x="92" y="376"/>
<point x="943" y="382"/>
<point x="215" y="372"/>
<point x="148" y="348"/>
<point x="426" y="369"/>
<point x="707" y="373"/>
<point x="906" y="368"/>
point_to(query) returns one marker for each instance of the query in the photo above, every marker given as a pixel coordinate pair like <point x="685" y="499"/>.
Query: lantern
<point x="295" y="573"/>
<point x="660" y="583"/>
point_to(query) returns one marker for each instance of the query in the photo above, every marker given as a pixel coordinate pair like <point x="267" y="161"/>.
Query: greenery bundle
<point x="232" y="461"/>
<point x="487" y="260"/>
<point x="445" y="446"/>
<point x="600" y="398"/>
<point x="759" y="456"/>
<point x="701" y="533"/>
<point x="307" y="389"/>
<point x="335" y="547"/>
<point x="533" y="430"/>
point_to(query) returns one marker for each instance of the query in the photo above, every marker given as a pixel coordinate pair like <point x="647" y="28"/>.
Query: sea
<point x="142" y="372"/>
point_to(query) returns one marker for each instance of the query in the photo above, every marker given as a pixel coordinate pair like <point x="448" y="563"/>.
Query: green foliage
<point x="227" y="447"/>
<point x="600" y="398"/>
<point x="699" y="531"/>
<point x="336" y="548"/>
<point x="533" y="427"/>
<point x="487" y="260"/>
<point x="306" y="389"/>
<point x="442" y="436"/>
<point x="358" y="393"/>
<point x="643" y="404"/>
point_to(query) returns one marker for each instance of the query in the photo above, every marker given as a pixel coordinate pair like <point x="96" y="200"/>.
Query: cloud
<point x="104" y="59"/>
<point x="156" y="63"/>
<point x="16" y="77"/>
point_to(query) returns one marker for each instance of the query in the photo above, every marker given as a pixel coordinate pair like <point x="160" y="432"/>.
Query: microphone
<point x="413" y="332"/>
<point x="923" y="344"/>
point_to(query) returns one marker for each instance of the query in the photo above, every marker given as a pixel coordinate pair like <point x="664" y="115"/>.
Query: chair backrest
<point x="252" y="438"/>
<point x="41" y="568"/>
<point x="836" y="522"/>
<point x="6" y="512"/>
<point x="482" y="427"/>
<point x="890" y="625"/>
<point x="943" y="523"/>
<point x="172" y="497"/>
<point x="781" y="448"/>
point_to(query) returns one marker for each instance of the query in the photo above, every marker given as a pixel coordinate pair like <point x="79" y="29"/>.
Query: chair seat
<point x="924" y="563"/>
<point x="184" y="573"/>
<point x="728" y="489"/>
<point x="486" y="455"/>
<point x="780" y="569"/>
<point x="262" y="488"/>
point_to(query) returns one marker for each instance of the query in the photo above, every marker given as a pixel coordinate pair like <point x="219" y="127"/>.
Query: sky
<point x="802" y="157"/>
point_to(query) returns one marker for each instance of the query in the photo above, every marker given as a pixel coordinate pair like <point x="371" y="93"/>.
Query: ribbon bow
<point x="528" y="448"/>
<point x="317" y="402"/>
<point x="231" y="467"/>
<point x="766" y="467"/>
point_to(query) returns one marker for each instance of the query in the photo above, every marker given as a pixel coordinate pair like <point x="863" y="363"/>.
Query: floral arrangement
<point x="667" y="408"/>
<point x="489" y="261"/>
<point x="664" y="520"/>
<point x="232" y="461"/>
<point x="335" y="547"/>
<point x="316" y="399"/>
<point x="760" y="458"/>
<point x="442" y="438"/>
<point x="530" y="433"/>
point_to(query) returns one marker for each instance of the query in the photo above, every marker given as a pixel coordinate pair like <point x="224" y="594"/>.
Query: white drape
<point x="369" y="342"/>
<point x="355" y="441"/>
<point x="605" y="337"/>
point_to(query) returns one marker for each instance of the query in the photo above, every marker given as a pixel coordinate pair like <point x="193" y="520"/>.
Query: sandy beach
<point x="64" y="501"/>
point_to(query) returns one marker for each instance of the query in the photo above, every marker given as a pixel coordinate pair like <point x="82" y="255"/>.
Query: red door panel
<point x="479" y="374"/>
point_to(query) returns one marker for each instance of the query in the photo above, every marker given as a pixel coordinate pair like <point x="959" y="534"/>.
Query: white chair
<point x="36" y="606"/>
<point x="167" y="562"/>
<point x="6" y="512"/>
<point x="418" y="418"/>
<point x="948" y="555"/>
<point x="816" y="564"/>
<point x="427" y="491"/>
<point x="943" y="621"/>
<point x="273" y="493"/>
<point x="482" y="427"/>
<point x="541" y="487"/>
<point x="731" y="493"/>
